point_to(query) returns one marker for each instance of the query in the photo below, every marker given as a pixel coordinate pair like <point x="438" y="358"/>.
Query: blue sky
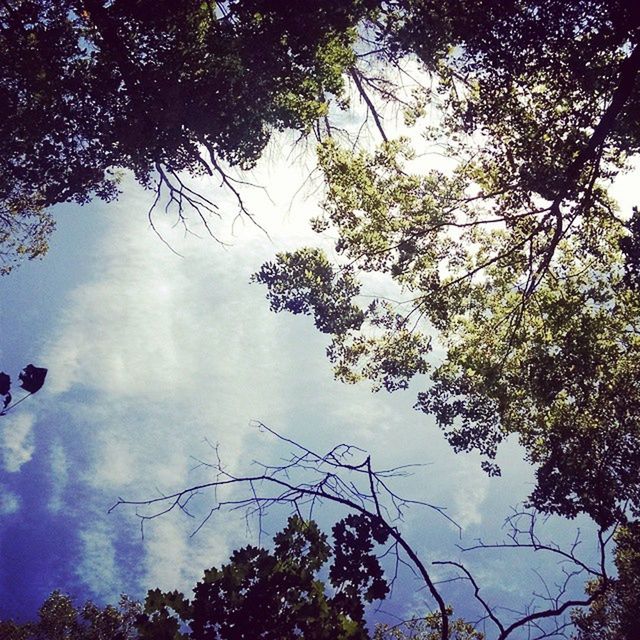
<point x="151" y="356"/>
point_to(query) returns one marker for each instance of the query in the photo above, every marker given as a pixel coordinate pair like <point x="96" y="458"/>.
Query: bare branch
<point x="476" y="588"/>
<point x="355" y="74"/>
<point x="526" y="538"/>
<point x="325" y="485"/>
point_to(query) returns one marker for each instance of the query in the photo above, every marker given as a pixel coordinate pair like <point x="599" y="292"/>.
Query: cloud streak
<point x="9" y="502"/>
<point x="17" y="440"/>
<point x="151" y="356"/>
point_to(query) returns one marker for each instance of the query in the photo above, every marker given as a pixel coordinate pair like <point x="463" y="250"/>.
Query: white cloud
<point x="17" y="440"/>
<point x="472" y="487"/>
<point x="166" y="549"/>
<point x="59" y="468"/>
<point x="98" y="567"/>
<point x="168" y="351"/>
<point x="172" y="350"/>
<point x="9" y="502"/>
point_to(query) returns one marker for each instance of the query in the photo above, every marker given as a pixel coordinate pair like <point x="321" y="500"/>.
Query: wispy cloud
<point x="9" y="502"/>
<point x="472" y="488"/>
<point x="17" y="440"/>
<point x="59" y="470"/>
<point x="98" y="567"/>
<point x="151" y="356"/>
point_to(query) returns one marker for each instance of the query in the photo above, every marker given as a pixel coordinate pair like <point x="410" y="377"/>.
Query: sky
<point x="154" y="358"/>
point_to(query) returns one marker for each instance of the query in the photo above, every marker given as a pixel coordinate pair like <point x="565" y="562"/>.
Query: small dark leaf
<point x="7" y="400"/>
<point x="32" y="378"/>
<point x="491" y="469"/>
<point x="5" y="383"/>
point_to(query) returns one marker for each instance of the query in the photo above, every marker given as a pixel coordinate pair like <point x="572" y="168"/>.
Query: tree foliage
<point x="60" y="619"/>
<point x="91" y="88"/>
<point x="278" y="594"/>
<point x="516" y="258"/>
<point x="427" y="629"/>
<point x="613" y="614"/>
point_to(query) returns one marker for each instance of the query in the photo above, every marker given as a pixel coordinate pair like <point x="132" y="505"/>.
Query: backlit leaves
<point x="278" y="595"/>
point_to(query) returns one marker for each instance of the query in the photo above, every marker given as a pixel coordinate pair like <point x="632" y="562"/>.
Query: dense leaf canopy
<point x="613" y="614"/>
<point x="90" y="88"/>
<point x="278" y="595"/>
<point x="516" y="257"/>
<point x="60" y="619"/>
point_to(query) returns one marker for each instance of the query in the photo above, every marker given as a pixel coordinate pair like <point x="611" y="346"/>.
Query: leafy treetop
<point x="91" y="88"/>
<point x="516" y="258"/>
<point x="60" y="619"/>
<point x="278" y="595"/>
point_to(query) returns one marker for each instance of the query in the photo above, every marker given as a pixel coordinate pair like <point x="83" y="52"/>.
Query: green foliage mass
<point x="427" y="629"/>
<point x="555" y="363"/>
<point x="287" y="593"/>
<point x="516" y="258"/>
<point x="278" y="594"/>
<point x="614" y="613"/>
<point x="89" y="89"/>
<point x="60" y="619"/>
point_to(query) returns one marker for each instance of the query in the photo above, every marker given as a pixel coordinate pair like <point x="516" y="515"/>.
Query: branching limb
<point x="547" y="613"/>
<point x="356" y="76"/>
<point x="345" y="476"/>
<point x="230" y="183"/>
<point x="520" y="537"/>
<point x="476" y="589"/>
<point x="326" y="484"/>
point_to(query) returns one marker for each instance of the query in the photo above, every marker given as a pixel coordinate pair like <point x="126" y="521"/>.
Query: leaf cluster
<point x="60" y="619"/>
<point x="613" y="614"/>
<point x="278" y="594"/>
<point x="516" y="259"/>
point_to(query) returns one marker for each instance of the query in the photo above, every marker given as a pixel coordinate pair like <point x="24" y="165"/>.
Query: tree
<point x="278" y="594"/>
<point x="371" y="531"/>
<point x="427" y="629"/>
<point x="516" y="259"/>
<point x="60" y="619"/>
<point x="612" y="615"/>
<point x="92" y="88"/>
<point x="260" y="594"/>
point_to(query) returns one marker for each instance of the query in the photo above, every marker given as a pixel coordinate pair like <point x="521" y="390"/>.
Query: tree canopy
<point x="513" y="258"/>
<point x="516" y="258"/>
<point x="60" y="619"/>
<point x="91" y="88"/>
<point x="613" y="613"/>
<point x="278" y="595"/>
